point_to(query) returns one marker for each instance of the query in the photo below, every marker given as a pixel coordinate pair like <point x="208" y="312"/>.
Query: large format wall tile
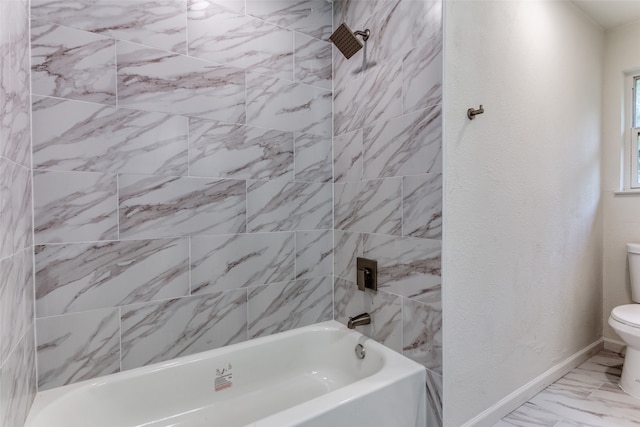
<point x="74" y="206"/>
<point x="385" y="310"/>
<point x="283" y="306"/>
<point x="434" y="399"/>
<point x="14" y="82"/>
<point x="78" y="136"/>
<point x="313" y="61"/>
<point x="225" y="37"/>
<point x="159" y="331"/>
<point x="80" y="277"/>
<point x="422" y="332"/>
<point x="156" y="80"/>
<point x="347" y="247"/>
<point x="18" y="382"/>
<point x="407" y="145"/>
<point x="225" y="150"/>
<point x="310" y="17"/>
<point x="369" y="206"/>
<point x="220" y="263"/>
<point x="15" y="208"/>
<point x="422" y="78"/>
<point x="156" y="23"/>
<point x="16" y="301"/>
<point x="406" y="266"/>
<point x="155" y="206"/>
<point x="313" y="158"/>
<point x="347" y="156"/>
<point x="314" y="250"/>
<point x="280" y="104"/>
<point x="422" y="206"/>
<point x="77" y="347"/>
<point x="283" y="206"/>
<point x="74" y="64"/>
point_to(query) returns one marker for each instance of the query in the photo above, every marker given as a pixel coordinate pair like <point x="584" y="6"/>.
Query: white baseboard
<point x="615" y="345"/>
<point x="492" y="415"/>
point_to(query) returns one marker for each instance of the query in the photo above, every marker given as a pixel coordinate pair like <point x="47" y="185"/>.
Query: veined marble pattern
<point x="283" y="206"/>
<point x="74" y="206"/>
<point x="347" y="156"/>
<point x="77" y="347"/>
<point x="434" y="399"/>
<point x="368" y="97"/>
<point x="16" y="301"/>
<point x="225" y="150"/>
<point x="156" y="23"/>
<point x="406" y="266"/>
<point x="74" y="64"/>
<point x="159" y="331"/>
<point x="156" y="80"/>
<point x="14" y="82"/>
<point x="15" y="207"/>
<point x="155" y="206"/>
<point x="314" y="250"/>
<point x="587" y="396"/>
<point x="385" y="310"/>
<point x="221" y="263"/>
<point x="18" y="382"/>
<point x="422" y="78"/>
<point x="422" y="332"/>
<point x="347" y="247"/>
<point x="280" y="104"/>
<point x="310" y="17"/>
<point x="407" y="145"/>
<point x="369" y="206"/>
<point x="422" y="206"/>
<point x="80" y="277"/>
<point x="356" y="12"/>
<point x="283" y="306"/>
<point x="313" y="158"/>
<point x="238" y="40"/>
<point x="313" y="61"/>
<point x="78" y="136"/>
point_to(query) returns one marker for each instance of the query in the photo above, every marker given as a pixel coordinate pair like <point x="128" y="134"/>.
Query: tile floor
<point x="587" y="396"/>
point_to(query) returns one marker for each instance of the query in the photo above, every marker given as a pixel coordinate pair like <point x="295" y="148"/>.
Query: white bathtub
<point x="304" y="377"/>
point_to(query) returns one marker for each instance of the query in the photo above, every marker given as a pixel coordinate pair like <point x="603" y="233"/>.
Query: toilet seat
<point x="628" y="314"/>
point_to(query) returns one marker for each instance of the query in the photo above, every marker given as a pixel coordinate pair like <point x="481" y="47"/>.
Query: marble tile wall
<point x="387" y="159"/>
<point x="182" y="177"/>
<point x="17" y="346"/>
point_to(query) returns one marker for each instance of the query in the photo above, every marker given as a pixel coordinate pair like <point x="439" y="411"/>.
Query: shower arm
<point x="365" y="34"/>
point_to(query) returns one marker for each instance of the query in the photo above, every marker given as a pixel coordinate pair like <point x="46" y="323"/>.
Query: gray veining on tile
<point x="434" y="399"/>
<point x="159" y="331"/>
<point x="312" y="158"/>
<point x="369" y="206"/>
<point x="156" y="80"/>
<point x="422" y="332"/>
<point x="313" y="61"/>
<point x="348" y="246"/>
<point x="422" y="78"/>
<point x="15" y="208"/>
<point x="77" y="347"/>
<point x="220" y="263"/>
<point x="407" y="145"/>
<point x="422" y="206"/>
<point x="155" y="206"/>
<point x="225" y="150"/>
<point x="310" y="17"/>
<point x="74" y="206"/>
<point x="16" y="300"/>
<point x="156" y="23"/>
<point x="80" y="277"/>
<point x="347" y="156"/>
<point x="283" y="306"/>
<point x="385" y="310"/>
<point x="283" y="206"/>
<point x="18" y="383"/>
<point x="78" y="136"/>
<point x="406" y="266"/>
<point x="314" y="250"/>
<point x="74" y="64"/>
<point x="226" y="37"/>
<point x="280" y="104"/>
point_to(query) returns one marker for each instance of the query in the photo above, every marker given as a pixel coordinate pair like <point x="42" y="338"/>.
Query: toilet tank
<point x="633" y="253"/>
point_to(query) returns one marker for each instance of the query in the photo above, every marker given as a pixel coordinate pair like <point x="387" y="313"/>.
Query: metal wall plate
<point x="367" y="274"/>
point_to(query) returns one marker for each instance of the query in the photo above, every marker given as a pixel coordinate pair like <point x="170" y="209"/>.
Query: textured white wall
<point x="522" y="256"/>
<point x="621" y="212"/>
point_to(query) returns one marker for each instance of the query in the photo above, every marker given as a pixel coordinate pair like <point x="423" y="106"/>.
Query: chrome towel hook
<point x="471" y="113"/>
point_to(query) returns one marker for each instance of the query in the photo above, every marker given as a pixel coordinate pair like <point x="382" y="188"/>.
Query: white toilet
<point x="625" y="320"/>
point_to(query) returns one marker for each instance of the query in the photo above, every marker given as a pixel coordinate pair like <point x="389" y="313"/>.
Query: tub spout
<point x="359" y="320"/>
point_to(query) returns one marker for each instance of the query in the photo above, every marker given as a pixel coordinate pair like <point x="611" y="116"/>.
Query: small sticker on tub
<point x="224" y="378"/>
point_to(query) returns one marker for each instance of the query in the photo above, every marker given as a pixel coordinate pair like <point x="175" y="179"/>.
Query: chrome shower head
<point x="346" y="40"/>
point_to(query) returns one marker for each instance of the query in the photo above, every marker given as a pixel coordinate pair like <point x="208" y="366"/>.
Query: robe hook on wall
<point x="471" y="113"/>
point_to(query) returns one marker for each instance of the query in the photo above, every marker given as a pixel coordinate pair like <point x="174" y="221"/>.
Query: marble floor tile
<point x="587" y="396"/>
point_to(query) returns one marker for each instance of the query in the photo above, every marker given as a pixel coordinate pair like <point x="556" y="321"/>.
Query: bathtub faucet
<point x="359" y="320"/>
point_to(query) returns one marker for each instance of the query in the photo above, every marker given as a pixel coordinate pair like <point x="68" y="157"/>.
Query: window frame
<point x="634" y="134"/>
